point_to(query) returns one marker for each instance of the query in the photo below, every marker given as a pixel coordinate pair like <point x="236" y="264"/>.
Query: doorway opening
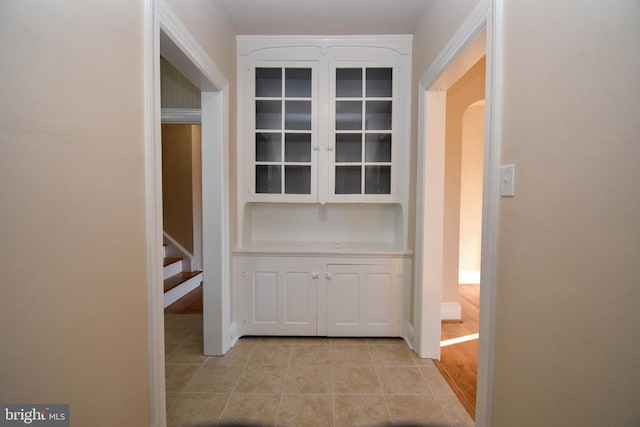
<point x="462" y="221"/>
<point x="167" y="36"/>
<point x="481" y="33"/>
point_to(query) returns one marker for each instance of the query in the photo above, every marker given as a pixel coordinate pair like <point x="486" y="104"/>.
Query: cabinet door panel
<point x="265" y="297"/>
<point x="378" y="299"/>
<point x="275" y="296"/>
<point x="299" y="299"/>
<point x="344" y="293"/>
<point x="362" y="300"/>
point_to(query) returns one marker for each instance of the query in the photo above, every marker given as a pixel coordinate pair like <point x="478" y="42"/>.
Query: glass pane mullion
<point x="363" y="128"/>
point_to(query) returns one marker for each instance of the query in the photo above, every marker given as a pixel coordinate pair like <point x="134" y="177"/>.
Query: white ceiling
<point x="323" y="17"/>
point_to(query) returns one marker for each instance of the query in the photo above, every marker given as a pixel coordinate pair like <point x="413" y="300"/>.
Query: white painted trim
<point x="487" y="14"/>
<point x="181" y="115"/>
<point x="184" y="52"/>
<point x="249" y="44"/>
<point x="176" y="250"/>
<point x="429" y="222"/>
<point x="466" y="33"/>
<point x="469" y="277"/>
<point x="491" y="199"/>
<point x="165" y="34"/>
<point x="216" y="251"/>
<point x="153" y="191"/>
<point x="450" y="311"/>
<point x="172" y="269"/>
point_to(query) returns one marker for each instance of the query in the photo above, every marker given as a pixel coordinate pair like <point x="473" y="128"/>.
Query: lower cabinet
<point x="323" y="296"/>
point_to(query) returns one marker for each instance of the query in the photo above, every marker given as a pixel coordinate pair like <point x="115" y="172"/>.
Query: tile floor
<point x="294" y="382"/>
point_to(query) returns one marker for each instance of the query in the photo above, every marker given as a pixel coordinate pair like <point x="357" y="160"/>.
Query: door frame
<point x="165" y="34"/>
<point x="430" y="194"/>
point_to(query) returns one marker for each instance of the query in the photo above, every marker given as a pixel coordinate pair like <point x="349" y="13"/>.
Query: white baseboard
<point x="409" y="336"/>
<point x="450" y="311"/>
<point x="469" y="277"/>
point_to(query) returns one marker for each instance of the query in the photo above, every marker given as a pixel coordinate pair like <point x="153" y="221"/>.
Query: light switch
<point x="507" y="178"/>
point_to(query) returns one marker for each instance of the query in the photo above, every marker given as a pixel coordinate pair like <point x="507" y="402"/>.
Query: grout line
<point x="284" y="384"/>
<point x="367" y="347"/>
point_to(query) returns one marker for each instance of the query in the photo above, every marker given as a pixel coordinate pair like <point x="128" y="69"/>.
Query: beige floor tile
<point x="190" y="320"/>
<point x="187" y="353"/>
<point x="312" y="341"/>
<point x="339" y="341"/>
<point x="262" y="379"/>
<point x="308" y="379"/>
<point x="309" y="410"/>
<point x="391" y="355"/>
<point x="387" y="341"/>
<point x="169" y="348"/>
<point x="311" y="355"/>
<point x="458" y="416"/>
<point x="435" y="380"/>
<point x="269" y="340"/>
<point x="244" y="409"/>
<point x="416" y="409"/>
<point x="177" y="376"/>
<point x="355" y="380"/>
<point x="238" y="355"/>
<point x="428" y="363"/>
<point x="170" y="318"/>
<point x="271" y="355"/>
<point x="196" y="409"/>
<point x="360" y="411"/>
<point x="402" y="380"/>
<point x="170" y="398"/>
<point x="177" y="334"/>
<point x="351" y="355"/>
<point x="195" y="337"/>
<point x="215" y="379"/>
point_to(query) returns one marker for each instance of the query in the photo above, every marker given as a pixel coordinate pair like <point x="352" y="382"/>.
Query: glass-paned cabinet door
<point x="362" y="137"/>
<point x="285" y="128"/>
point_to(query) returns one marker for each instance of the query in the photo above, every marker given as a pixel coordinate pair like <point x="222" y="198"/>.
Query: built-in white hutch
<point x="323" y="186"/>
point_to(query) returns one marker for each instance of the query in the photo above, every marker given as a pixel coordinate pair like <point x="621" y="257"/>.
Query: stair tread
<point x="190" y="303"/>
<point x="178" y="279"/>
<point x="168" y="261"/>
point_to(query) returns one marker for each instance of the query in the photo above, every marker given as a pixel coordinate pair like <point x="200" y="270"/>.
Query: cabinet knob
<point x="330" y="148"/>
<point x="328" y="276"/>
<point x="314" y="275"/>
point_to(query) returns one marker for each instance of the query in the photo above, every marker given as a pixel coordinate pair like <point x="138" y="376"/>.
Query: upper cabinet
<point x="284" y="130"/>
<point x="323" y="120"/>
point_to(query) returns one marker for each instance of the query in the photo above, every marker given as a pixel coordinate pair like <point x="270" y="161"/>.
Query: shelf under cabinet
<point x="322" y="249"/>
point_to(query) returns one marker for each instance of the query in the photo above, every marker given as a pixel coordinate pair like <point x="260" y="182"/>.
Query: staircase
<point x="180" y="287"/>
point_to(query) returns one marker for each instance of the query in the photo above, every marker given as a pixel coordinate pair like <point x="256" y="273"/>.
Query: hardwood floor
<point x="189" y="304"/>
<point x="459" y="362"/>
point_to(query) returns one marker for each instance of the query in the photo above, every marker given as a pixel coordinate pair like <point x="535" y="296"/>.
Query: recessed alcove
<point x="336" y="227"/>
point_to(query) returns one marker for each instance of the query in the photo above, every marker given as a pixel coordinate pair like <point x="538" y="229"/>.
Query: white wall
<point x="436" y="26"/>
<point x="73" y="311"/>
<point x="568" y="283"/>
<point x="180" y="152"/>
<point x="208" y="23"/>
<point x="471" y="188"/>
<point x="464" y="92"/>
